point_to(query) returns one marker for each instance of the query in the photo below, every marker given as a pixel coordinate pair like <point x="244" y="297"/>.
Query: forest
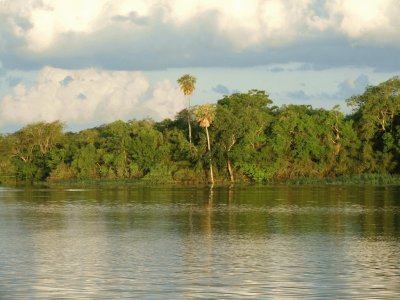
<point x="244" y="137"/>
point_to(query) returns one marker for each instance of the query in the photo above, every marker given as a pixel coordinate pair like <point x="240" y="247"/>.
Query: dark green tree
<point x="239" y="131"/>
<point x="115" y="143"/>
<point x="32" y="150"/>
<point x="309" y="142"/>
<point x="377" y="116"/>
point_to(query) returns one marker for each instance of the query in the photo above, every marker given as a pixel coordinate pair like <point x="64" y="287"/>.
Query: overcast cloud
<point x="85" y="38"/>
<point x="178" y="33"/>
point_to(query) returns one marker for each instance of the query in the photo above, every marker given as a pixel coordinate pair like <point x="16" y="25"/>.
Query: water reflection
<point x="185" y="243"/>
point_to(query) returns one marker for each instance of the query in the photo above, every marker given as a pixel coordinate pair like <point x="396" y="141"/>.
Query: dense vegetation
<point x="241" y="138"/>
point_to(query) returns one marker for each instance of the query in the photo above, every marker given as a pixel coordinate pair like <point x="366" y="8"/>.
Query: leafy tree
<point x="86" y="162"/>
<point x="310" y="142"/>
<point x="148" y="148"/>
<point x="32" y="147"/>
<point x="346" y="143"/>
<point x="377" y="116"/>
<point x="377" y="107"/>
<point x="81" y="157"/>
<point x="240" y="124"/>
<point x="115" y="141"/>
<point x="7" y="168"/>
<point x="250" y="139"/>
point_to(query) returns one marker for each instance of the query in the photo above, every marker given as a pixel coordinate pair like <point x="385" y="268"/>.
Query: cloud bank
<point x="86" y="51"/>
<point x="157" y="34"/>
<point x="89" y="95"/>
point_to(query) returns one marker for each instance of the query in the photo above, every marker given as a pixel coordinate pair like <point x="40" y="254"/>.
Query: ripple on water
<point x="76" y="247"/>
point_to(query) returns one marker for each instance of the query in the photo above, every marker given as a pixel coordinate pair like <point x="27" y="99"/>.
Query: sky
<point x="91" y="62"/>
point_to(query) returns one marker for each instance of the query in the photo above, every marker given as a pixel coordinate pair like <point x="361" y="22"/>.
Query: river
<point x="242" y="242"/>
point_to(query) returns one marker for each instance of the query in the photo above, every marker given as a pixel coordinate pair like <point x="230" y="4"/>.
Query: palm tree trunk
<point x="208" y="140"/>
<point x="189" y="125"/>
<point x="230" y="171"/>
<point x="190" y="130"/>
<point x="209" y="152"/>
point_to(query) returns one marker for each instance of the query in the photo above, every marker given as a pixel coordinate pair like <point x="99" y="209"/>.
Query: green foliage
<point x="377" y="115"/>
<point x="239" y="132"/>
<point x="159" y="174"/>
<point x="33" y="151"/>
<point x="148" y="148"/>
<point x="114" y="146"/>
<point x="188" y="175"/>
<point x="367" y="178"/>
<point x="7" y="168"/>
<point x="312" y="142"/>
<point x="85" y="162"/>
<point x="241" y="138"/>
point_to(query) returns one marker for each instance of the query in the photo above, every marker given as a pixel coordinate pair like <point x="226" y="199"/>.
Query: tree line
<point x="243" y="137"/>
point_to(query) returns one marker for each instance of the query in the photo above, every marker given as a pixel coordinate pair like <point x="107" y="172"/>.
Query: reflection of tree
<point x="198" y="256"/>
<point x="231" y="213"/>
<point x="377" y="218"/>
<point x="208" y="215"/>
<point x="208" y="254"/>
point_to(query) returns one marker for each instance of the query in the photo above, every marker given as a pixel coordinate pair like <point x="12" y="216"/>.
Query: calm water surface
<point x="188" y="243"/>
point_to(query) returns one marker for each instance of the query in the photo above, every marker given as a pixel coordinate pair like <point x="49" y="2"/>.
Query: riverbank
<point x="362" y="179"/>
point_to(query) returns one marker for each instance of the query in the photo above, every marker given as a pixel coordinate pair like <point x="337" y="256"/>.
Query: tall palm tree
<point x="205" y="115"/>
<point x="187" y="83"/>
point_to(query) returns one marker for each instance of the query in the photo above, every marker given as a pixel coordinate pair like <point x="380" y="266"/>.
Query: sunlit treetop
<point x="187" y="83"/>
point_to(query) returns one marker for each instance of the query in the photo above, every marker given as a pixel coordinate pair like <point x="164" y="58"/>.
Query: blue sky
<point x="89" y="62"/>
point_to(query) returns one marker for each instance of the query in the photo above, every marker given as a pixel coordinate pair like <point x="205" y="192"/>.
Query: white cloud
<point x="370" y="21"/>
<point x="165" y="102"/>
<point x="49" y="18"/>
<point x="164" y="34"/>
<point x="244" y="23"/>
<point x="90" y="96"/>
